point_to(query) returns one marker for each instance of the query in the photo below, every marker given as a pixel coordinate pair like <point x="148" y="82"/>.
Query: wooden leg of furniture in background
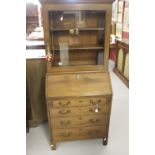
<point x="27" y="126"/>
<point x="28" y="109"/>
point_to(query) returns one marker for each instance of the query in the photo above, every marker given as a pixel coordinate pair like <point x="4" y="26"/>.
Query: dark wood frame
<point x="125" y="46"/>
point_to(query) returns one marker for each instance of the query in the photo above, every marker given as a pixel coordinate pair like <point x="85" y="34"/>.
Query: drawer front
<point x="77" y="102"/>
<point x="55" y="112"/>
<point x="75" y="121"/>
<point x="79" y="133"/>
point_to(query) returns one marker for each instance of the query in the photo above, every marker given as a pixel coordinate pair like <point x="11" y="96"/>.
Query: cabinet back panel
<point x="84" y="38"/>
<point x="85" y="57"/>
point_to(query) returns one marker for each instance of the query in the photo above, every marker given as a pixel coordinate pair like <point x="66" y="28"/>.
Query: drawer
<point x="77" y="121"/>
<point x="55" y="112"/>
<point x="77" y="102"/>
<point x="79" y="133"/>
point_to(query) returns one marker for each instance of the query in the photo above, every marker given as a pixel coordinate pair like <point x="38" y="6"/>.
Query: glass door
<point x="77" y="37"/>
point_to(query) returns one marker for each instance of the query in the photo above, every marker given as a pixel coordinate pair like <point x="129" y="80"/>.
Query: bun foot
<point x="53" y="146"/>
<point x="105" y="141"/>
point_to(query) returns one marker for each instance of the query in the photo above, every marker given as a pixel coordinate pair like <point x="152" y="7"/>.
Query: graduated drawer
<point x="77" y="102"/>
<point x="79" y="133"/>
<point x="76" y="121"/>
<point x="88" y="110"/>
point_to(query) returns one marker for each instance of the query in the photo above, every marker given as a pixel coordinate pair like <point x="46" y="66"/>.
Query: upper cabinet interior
<point x="77" y="37"/>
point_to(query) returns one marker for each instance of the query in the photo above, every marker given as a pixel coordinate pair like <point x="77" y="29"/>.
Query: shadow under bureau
<point x="78" y="105"/>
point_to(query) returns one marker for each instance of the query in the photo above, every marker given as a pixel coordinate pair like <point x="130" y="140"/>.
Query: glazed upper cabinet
<point x="77" y="34"/>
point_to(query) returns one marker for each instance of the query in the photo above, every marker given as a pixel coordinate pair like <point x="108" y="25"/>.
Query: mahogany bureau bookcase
<point x="78" y="86"/>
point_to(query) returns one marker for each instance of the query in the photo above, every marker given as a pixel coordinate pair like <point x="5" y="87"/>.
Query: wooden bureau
<point x="79" y="106"/>
<point x="78" y="87"/>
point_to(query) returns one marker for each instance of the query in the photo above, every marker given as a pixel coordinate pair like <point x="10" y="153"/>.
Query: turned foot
<point x="105" y="141"/>
<point x="53" y="146"/>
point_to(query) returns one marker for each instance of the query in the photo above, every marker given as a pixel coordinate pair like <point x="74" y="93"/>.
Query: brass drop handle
<point x="96" y="109"/>
<point x="93" y="121"/>
<point x="65" y="122"/>
<point x="64" y="134"/>
<point x="63" y="112"/>
<point x="64" y="104"/>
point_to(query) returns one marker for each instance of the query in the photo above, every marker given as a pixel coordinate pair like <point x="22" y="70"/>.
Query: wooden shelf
<point x="92" y="29"/>
<point x="97" y="47"/>
<point x="80" y="29"/>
